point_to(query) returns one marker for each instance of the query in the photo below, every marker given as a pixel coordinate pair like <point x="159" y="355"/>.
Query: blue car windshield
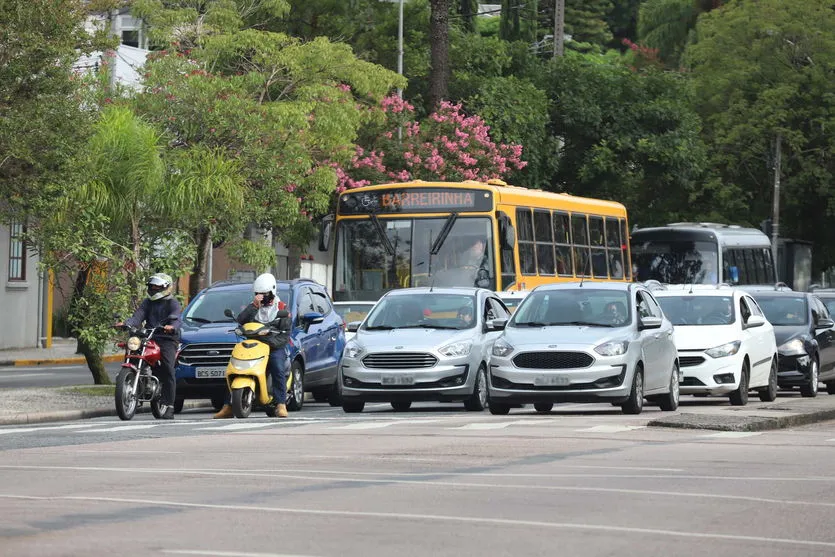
<point x="208" y="307"/>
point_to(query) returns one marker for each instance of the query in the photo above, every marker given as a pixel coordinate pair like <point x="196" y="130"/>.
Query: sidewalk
<point x="61" y="352"/>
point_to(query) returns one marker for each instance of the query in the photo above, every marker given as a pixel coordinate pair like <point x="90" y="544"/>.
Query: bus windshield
<point x="374" y="255"/>
<point x="676" y="261"/>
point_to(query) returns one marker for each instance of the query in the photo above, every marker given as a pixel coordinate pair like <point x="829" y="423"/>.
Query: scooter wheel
<point x="242" y="402"/>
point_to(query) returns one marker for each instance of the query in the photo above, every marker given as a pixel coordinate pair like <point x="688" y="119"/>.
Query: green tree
<point x="762" y="69"/>
<point x="669" y="25"/>
<point x="586" y="21"/>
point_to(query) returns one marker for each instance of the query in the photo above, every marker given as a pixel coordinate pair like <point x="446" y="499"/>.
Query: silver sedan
<point x="586" y="342"/>
<point x="423" y="344"/>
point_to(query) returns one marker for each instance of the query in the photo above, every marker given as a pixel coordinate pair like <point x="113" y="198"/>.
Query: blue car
<point x="316" y="341"/>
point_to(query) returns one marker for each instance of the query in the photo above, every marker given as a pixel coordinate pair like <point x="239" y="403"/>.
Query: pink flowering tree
<point x="446" y="146"/>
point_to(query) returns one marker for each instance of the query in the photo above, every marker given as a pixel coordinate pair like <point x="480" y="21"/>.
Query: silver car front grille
<point x="399" y="360"/>
<point x="552" y="360"/>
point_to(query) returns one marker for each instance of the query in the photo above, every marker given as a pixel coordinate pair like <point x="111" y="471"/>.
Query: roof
<point x="699" y="292"/>
<point x="725" y="232"/>
<point x="240" y="285"/>
<point x="465" y="290"/>
<point x="591" y="285"/>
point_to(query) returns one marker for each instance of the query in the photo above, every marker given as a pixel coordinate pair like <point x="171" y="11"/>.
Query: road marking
<point x="733" y="434"/>
<point x="212" y="553"/>
<point x="42" y="428"/>
<point x="611" y="428"/>
<point x="41" y="368"/>
<point x="236" y="427"/>
<point x="120" y="428"/>
<point x="365" y="425"/>
<point x="436" y="518"/>
<point x="24" y="377"/>
<point x="484" y="426"/>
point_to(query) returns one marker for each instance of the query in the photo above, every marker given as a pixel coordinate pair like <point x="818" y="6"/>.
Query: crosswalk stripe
<point x="611" y="428"/>
<point x="236" y="427"/>
<point x="733" y="434"/>
<point x="366" y="425"/>
<point x="43" y="428"/>
<point x="120" y="428"/>
<point x="484" y="425"/>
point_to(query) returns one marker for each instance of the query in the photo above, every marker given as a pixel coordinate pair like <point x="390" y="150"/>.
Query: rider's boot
<point x="224" y="413"/>
<point x="271" y="408"/>
<point x="281" y="411"/>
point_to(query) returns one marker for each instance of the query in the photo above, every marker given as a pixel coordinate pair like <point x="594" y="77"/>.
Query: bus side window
<point x="613" y="244"/>
<point x="597" y="239"/>
<point x="580" y="240"/>
<point x="544" y="242"/>
<point x="624" y="242"/>
<point x="527" y="252"/>
<point x="562" y="239"/>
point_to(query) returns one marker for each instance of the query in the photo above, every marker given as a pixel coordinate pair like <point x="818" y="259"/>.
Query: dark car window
<point x="321" y="304"/>
<point x="784" y="310"/>
<point x="208" y="306"/>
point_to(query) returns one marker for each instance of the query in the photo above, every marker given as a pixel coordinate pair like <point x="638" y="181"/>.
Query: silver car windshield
<point x="698" y="310"/>
<point x="580" y="306"/>
<point x="426" y="310"/>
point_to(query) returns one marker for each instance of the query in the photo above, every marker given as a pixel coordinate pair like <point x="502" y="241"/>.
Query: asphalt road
<point x="583" y="481"/>
<point x="51" y="376"/>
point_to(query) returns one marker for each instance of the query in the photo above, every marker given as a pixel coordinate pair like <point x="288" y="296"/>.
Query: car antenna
<point x="583" y="276"/>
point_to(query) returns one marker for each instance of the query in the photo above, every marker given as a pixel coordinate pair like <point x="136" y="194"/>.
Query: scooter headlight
<point x="242" y="365"/>
<point x="133" y="344"/>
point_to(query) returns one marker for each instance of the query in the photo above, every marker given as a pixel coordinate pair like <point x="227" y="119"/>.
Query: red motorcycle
<point x="136" y="383"/>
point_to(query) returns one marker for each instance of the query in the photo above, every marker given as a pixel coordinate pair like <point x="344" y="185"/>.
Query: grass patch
<point x="91" y="390"/>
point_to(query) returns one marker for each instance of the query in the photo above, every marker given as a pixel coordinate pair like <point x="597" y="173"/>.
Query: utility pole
<point x="559" y="27"/>
<point x="400" y="46"/>
<point x="775" y="217"/>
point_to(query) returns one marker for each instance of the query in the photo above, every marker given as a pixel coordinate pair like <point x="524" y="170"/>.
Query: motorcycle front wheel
<point x="125" y="395"/>
<point x="242" y="402"/>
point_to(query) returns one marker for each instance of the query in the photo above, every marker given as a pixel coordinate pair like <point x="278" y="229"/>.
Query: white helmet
<point x="159" y="286"/>
<point x="265" y="283"/>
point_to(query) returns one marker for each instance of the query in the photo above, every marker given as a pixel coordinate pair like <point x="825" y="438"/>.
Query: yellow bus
<point x="489" y="235"/>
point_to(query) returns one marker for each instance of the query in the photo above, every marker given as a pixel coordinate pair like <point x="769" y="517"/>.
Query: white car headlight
<point x="353" y="350"/>
<point x="501" y="348"/>
<point x="133" y="343"/>
<point x="615" y="348"/>
<point x="794" y="347"/>
<point x="245" y="364"/>
<point x="456" y="349"/>
<point x="728" y="349"/>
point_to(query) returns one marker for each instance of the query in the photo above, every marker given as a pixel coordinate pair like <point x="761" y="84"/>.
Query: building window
<point x="17" y="251"/>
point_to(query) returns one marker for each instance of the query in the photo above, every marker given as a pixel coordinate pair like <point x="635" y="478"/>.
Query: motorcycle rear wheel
<point x="242" y="402"/>
<point x="125" y="396"/>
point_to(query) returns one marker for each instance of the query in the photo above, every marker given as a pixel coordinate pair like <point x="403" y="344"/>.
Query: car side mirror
<point x="312" y="318"/>
<point x="228" y="313"/>
<point x="754" y="321"/>
<point x="824" y="323"/>
<point x="497" y="324"/>
<point x="354" y="326"/>
<point x="649" y="322"/>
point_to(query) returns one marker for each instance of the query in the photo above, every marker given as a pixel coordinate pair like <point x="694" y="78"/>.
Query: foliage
<point x="669" y="25"/>
<point x="586" y="21"/>
<point x="446" y="146"/>
<point x="762" y="69"/>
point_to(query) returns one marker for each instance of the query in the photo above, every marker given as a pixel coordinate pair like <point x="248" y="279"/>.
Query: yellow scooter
<point x="246" y="373"/>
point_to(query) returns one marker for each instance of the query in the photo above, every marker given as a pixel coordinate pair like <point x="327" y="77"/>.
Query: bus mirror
<point x="325" y="233"/>
<point x="734" y="270"/>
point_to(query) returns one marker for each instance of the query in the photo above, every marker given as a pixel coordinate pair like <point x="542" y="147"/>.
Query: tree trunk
<point x="197" y="280"/>
<point x="77" y="291"/>
<point x="95" y="363"/>
<point x="439" y="44"/>
<point x="467" y="12"/>
<point x="294" y="262"/>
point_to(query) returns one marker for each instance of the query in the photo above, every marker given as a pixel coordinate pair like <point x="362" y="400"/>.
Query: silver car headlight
<point x="353" y="350"/>
<point x="615" y="348"/>
<point x="728" y="349"/>
<point x="133" y="344"/>
<point x="794" y="347"/>
<point x="456" y="349"/>
<point x="502" y="348"/>
<point x="237" y="363"/>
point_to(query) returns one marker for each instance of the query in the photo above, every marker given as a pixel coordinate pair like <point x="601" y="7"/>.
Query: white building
<point x="21" y="291"/>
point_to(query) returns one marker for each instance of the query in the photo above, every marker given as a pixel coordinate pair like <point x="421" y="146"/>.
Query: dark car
<point x="316" y="341"/>
<point x="805" y="345"/>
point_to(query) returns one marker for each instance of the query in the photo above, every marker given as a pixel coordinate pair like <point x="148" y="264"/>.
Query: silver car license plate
<point x="397" y="379"/>
<point x="551" y="381"/>
<point x="210" y="372"/>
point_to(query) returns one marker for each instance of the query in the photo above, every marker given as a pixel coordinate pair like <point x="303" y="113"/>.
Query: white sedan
<point x="725" y="344"/>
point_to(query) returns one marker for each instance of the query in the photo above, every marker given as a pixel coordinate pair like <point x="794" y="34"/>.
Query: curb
<point x="742" y="423"/>
<point x="69" y="415"/>
<point x="49" y="361"/>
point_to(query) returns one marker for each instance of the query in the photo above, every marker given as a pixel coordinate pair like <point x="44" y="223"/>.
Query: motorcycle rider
<point x="161" y="309"/>
<point x="265" y="309"/>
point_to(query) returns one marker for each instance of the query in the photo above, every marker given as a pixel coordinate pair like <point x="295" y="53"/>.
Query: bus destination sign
<point x="415" y="200"/>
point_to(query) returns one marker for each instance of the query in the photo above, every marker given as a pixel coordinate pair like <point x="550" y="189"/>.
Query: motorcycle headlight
<point x="456" y="349"/>
<point x="133" y="344"/>
<point x="794" y="347"/>
<point x="728" y="349"/>
<point x="353" y="350"/>
<point x="237" y="363"/>
<point x="502" y="348"/>
<point x="616" y="348"/>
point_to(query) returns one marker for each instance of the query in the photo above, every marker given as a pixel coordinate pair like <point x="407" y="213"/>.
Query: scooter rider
<point x="161" y="309"/>
<point x="264" y="309"/>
